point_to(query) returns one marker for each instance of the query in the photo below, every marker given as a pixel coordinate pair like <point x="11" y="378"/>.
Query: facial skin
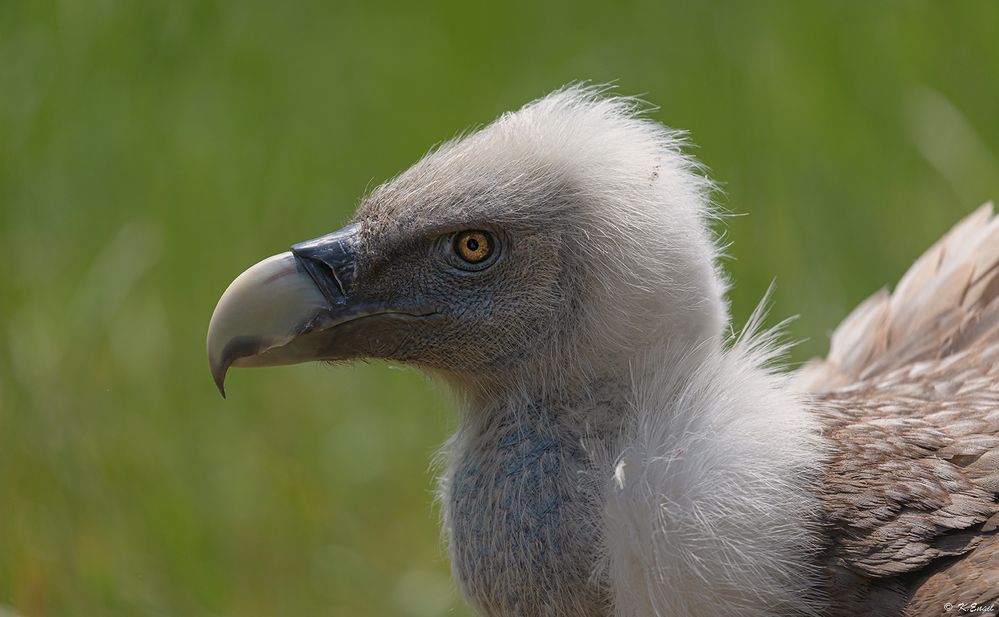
<point x="487" y="315"/>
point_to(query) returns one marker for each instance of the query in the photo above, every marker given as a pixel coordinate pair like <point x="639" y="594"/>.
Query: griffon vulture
<point x="618" y="453"/>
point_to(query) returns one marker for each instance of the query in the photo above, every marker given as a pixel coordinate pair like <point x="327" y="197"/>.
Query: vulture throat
<point x="618" y="453"/>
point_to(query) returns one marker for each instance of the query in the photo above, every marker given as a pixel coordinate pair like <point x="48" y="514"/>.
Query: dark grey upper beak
<point x="270" y="314"/>
<point x="329" y="260"/>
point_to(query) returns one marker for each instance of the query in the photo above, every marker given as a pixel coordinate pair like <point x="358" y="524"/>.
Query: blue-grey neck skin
<point x="522" y="505"/>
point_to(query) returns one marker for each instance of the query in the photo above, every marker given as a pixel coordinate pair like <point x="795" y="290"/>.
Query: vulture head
<point x="553" y="243"/>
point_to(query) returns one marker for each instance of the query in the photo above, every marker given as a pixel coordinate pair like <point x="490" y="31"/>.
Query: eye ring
<point x="474" y="247"/>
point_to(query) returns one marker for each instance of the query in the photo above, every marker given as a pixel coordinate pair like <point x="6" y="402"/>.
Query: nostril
<point x="336" y="279"/>
<point x="329" y="261"/>
<point x="324" y="276"/>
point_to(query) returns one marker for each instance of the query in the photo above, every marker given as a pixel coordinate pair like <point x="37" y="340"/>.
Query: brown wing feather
<point x="909" y="399"/>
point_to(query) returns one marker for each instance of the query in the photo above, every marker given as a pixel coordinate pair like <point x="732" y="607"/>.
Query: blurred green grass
<point x="149" y="151"/>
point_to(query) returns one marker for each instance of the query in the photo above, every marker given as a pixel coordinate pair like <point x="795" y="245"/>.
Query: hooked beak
<point x="282" y="310"/>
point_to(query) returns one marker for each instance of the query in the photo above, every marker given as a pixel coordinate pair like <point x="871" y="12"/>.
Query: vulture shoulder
<point x="908" y="398"/>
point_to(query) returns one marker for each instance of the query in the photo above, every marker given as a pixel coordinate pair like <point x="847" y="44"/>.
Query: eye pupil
<point x="472" y="244"/>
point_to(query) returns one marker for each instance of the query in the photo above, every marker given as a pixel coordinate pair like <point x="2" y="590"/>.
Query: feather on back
<point x="944" y="304"/>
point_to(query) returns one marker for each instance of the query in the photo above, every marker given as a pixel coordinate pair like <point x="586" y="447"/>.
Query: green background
<point x="149" y="151"/>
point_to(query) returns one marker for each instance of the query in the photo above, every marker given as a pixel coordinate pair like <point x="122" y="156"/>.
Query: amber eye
<point x="473" y="246"/>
